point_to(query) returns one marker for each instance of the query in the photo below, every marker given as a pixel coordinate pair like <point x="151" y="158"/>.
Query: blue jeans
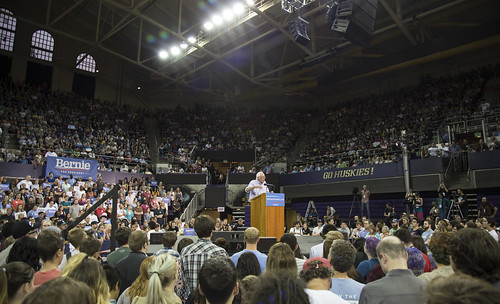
<point x="367" y="206"/>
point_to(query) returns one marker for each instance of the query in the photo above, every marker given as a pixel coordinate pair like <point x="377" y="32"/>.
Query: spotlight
<point x="184" y="45"/>
<point x="138" y="87"/>
<point x="208" y="25"/>
<point x="238" y="8"/>
<point x="250" y="2"/>
<point x="163" y="54"/>
<point x="227" y="14"/>
<point x="192" y="39"/>
<point x="217" y="20"/>
<point x="175" y="51"/>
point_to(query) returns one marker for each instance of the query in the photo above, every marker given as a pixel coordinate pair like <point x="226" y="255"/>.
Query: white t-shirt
<point x="494" y="234"/>
<point x="317" y="230"/>
<point x="324" y="297"/>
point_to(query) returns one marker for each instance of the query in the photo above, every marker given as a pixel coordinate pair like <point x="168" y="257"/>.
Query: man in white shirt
<point x="257" y="186"/>
<point x="25" y="183"/>
<point x="317" y="230"/>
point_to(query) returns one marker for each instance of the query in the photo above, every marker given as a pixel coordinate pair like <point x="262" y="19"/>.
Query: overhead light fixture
<point x="184" y="45"/>
<point x="227" y="14"/>
<point x="163" y="54"/>
<point x="175" y="51"/>
<point x="217" y="20"/>
<point x="238" y="8"/>
<point x="192" y="39"/>
<point x="208" y="25"/>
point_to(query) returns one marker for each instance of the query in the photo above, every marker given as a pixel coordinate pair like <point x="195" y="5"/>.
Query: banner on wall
<point x="83" y="168"/>
<point x="343" y="174"/>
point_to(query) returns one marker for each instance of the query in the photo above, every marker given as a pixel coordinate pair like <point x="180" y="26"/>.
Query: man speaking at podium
<point x="257" y="186"/>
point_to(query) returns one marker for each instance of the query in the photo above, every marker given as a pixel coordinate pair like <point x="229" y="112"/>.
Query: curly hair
<point x="438" y="245"/>
<point x="24" y="250"/>
<point x="476" y="253"/>
<point x="317" y="270"/>
<point x="460" y="289"/>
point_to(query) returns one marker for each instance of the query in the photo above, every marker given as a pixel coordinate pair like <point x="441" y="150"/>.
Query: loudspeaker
<point x="298" y="30"/>
<point x="215" y="196"/>
<point x="234" y="238"/>
<point x="265" y="243"/>
<point x="355" y="20"/>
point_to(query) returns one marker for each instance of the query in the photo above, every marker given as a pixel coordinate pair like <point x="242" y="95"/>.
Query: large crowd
<point x="63" y="124"/>
<point x="356" y="264"/>
<point x="365" y="131"/>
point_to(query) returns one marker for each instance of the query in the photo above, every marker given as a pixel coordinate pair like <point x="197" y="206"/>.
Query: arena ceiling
<point x="256" y="53"/>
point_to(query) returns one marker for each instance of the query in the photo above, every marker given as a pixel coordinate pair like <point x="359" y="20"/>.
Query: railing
<point x="192" y="207"/>
<point x="112" y="161"/>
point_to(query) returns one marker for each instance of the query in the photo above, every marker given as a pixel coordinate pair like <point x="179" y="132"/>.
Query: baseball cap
<point x="20" y="229"/>
<point x="322" y="262"/>
<point x="395" y="220"/>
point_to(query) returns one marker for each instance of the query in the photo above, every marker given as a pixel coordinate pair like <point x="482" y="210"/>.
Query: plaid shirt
<point x="192" y="259"/>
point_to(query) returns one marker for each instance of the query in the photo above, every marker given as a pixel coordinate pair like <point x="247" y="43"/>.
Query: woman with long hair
<point x="19" y="283"/>
<point x="162" y="272"/>
<point x="139" y="286"/>
<point x="248" y="265"/>
<point x="281" y="258"/>
<point x="88" y="270"/>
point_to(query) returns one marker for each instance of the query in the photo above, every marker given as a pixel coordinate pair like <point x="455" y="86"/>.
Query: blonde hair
<point x="329" y="238"/>
<point x="162" y="272"/>
<point x="87" y="270"/>
<point x="140" y="285"/>
<point x="251" y="235"/>
<point x="281" y="258"/>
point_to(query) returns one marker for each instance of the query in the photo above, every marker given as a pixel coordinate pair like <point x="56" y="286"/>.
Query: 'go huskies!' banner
<point x="83" y="168"/>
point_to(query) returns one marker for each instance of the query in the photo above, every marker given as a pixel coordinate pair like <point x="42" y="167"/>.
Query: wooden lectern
<point x="267" y="213"/>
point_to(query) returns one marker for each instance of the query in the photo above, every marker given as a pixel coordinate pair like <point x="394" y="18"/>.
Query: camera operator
<point x="409" y="200"/>
<point x="442" y="189"/>
<point x="462" y="203"/>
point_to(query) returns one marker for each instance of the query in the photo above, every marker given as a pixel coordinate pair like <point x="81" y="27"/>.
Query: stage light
<point x="250" y="2"/>
<point x="184" y="45"/>
<point x="238" y="8"/>
<point x="139" y="88"/>
<point x="217" y="20"/>
<point x="227" y="14"/>
<point x="208" y="25"/>
<point x="163" y="54"/>
<point x="175" y="51"/>
<point x="192" y="39"/>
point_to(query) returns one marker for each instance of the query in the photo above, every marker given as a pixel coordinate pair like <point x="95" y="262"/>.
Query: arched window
<point x="42" y="45"/>
<point x="7" y="29"/>
<point x="85" y="62"/>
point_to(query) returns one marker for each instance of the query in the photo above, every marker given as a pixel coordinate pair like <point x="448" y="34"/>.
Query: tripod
<point x="454" y="210"/>
<point x="354" y="205"/>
